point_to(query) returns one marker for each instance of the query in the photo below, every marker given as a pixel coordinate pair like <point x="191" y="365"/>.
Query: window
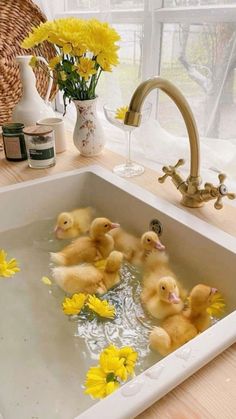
<point x="190" y="42"/>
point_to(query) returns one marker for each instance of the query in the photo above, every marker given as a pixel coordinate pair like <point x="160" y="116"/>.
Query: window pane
<point x="118" y="86"/>
<point x="189" y="3"/>
<point x="201" y="60"/>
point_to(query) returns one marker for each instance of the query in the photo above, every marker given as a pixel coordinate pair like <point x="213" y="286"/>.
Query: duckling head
<point x="201" y="297"/>
<point x="100" y="226"/>
<point x="64" y="222"/>
<point x="150" y="241"/>
<point x="168" y="290"/>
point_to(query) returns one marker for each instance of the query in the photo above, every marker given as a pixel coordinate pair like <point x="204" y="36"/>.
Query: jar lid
<point x="37" y="130"/>
<point x="12" y="126"/>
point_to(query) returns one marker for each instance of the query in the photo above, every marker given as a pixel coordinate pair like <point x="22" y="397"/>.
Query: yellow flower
<point x="33" y="62"/>
<point x="63" y="75"/>
<point x="46" y="280"/>
<point x="99" y="383"/>
<point x="102" y="308"/>
<point x="7" y="268"/>
<point x="54" y="61"/>
<point x="85" y="68"/>
<point x="120" y="112"/>
<point x="217" y="307"/>
<point x="74" y="304"/>
<point x="127" y="355"/>
<point x="38" y="35"/>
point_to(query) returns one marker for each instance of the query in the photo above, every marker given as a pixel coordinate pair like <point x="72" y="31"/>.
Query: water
<point x="44" y="355"/>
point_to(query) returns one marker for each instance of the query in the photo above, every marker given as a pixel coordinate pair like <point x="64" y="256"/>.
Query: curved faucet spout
<point x="133" y="117"/>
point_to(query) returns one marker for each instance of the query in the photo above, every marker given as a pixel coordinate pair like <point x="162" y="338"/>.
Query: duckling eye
<point x="106" y="225"/>
<point x="65" y="222"/>
<point x="163" y="288"/>
<point x="148" y="240"/>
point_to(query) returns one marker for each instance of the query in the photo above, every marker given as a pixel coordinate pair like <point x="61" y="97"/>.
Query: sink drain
<point x="156" y="225"/>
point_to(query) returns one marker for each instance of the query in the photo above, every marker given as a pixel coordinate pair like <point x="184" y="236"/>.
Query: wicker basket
<point x="17" y="17"/>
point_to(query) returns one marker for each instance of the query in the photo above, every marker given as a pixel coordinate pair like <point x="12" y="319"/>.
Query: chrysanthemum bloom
<point x="102" y="308"/>
<point x="103" y="379"/>
<point x="7" y="268"/>
<point x="74" y="305"/>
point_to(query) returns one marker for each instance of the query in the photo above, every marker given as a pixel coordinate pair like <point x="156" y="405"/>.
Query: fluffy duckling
<point x="97" y="245"/>
<point x="161" y="296"/>
<point x="74" y="223"/>
<point x="134" y="249"/>
<point x="88" y="278"/>
<point x="178" y="329"/>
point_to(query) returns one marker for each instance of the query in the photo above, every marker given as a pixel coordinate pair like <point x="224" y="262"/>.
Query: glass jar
<point x="40" y="146"/>
<point x="14" y="141"/>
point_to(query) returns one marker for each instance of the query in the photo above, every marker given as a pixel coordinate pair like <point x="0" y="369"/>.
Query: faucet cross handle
<point x="170" y="170"/>
<point x="219" y="191"/>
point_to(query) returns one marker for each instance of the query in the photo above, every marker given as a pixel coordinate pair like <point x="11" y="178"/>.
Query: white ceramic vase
<point x="88" y="133"/>
<point x="31" y="106"/>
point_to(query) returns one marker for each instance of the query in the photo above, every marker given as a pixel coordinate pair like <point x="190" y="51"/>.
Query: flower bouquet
<point x="85" y="48"/>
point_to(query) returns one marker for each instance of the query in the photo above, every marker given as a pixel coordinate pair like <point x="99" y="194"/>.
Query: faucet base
<point x="191" y="202"/>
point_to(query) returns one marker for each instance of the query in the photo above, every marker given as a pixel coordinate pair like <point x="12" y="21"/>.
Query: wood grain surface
<point x="211" y="392"/>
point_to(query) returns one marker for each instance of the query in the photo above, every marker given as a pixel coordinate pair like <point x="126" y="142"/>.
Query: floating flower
<point x="126" y="354"/>
<point x="46" y="280"/>
<point x="74" y="305"/>
<point x="115" y="364"/>
<point x="129" y="357"/>
<point x="86" y="68"/>
<point x="7" y="268"/>
<point x="99" y="383"/>
<point x="102" y="308"/>
<point x="217" y="307"/>
<point x="120" y="112"/>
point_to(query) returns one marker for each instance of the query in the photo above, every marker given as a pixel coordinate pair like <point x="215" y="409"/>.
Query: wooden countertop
<point x="211" y="392"/>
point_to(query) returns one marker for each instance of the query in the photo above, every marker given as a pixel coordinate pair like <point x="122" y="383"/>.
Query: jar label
<point x="12" y="147"/>
<point x="45" y="154"/>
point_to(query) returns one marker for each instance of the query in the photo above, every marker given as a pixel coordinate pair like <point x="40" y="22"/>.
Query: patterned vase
<point x="88" y="133"/>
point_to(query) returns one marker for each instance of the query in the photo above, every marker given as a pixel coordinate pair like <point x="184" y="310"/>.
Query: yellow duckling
<point x="180" y="328"/>
<point x="161" y="296"/>
<point x="74" y="223"/>
<point x="97" y="245"/>
<point x="87" y="278"/>
<point x="134" y="249"/>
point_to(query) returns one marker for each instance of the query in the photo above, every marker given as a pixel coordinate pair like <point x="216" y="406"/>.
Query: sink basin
<point x="199" y="251"/>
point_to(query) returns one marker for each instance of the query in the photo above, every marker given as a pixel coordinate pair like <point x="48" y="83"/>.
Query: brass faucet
<point x="192" y="195"/>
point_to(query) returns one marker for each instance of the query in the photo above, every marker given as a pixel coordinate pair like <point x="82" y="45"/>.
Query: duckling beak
<point x="57" y="229"/>
<point x="115" y="225"/>
<point x="173" y="298"/>
<point x="214" y="290"/>
<point x="159" y="246"/>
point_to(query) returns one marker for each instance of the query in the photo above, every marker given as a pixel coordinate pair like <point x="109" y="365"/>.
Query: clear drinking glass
<point x="129" y="168"/>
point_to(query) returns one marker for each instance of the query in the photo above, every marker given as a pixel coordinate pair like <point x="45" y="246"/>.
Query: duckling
<point x="156" y="265"/>
<point x="88" y="278"/>
<point x="134" y="249"/>
<point x="161" y="296"/>
<point x="97" y="245"/>
<point x="72" y="224"/>
<point x="180" y="328"/>
<point x="150" y="244"/>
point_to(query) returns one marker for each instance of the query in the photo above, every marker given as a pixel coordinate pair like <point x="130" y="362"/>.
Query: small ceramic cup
<point x="57" y="124"/>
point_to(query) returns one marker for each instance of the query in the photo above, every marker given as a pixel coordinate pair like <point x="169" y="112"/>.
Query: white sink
<point x="201" y="253"/>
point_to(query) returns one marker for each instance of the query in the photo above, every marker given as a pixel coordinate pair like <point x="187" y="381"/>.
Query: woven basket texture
<point x="17" y="18"/>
